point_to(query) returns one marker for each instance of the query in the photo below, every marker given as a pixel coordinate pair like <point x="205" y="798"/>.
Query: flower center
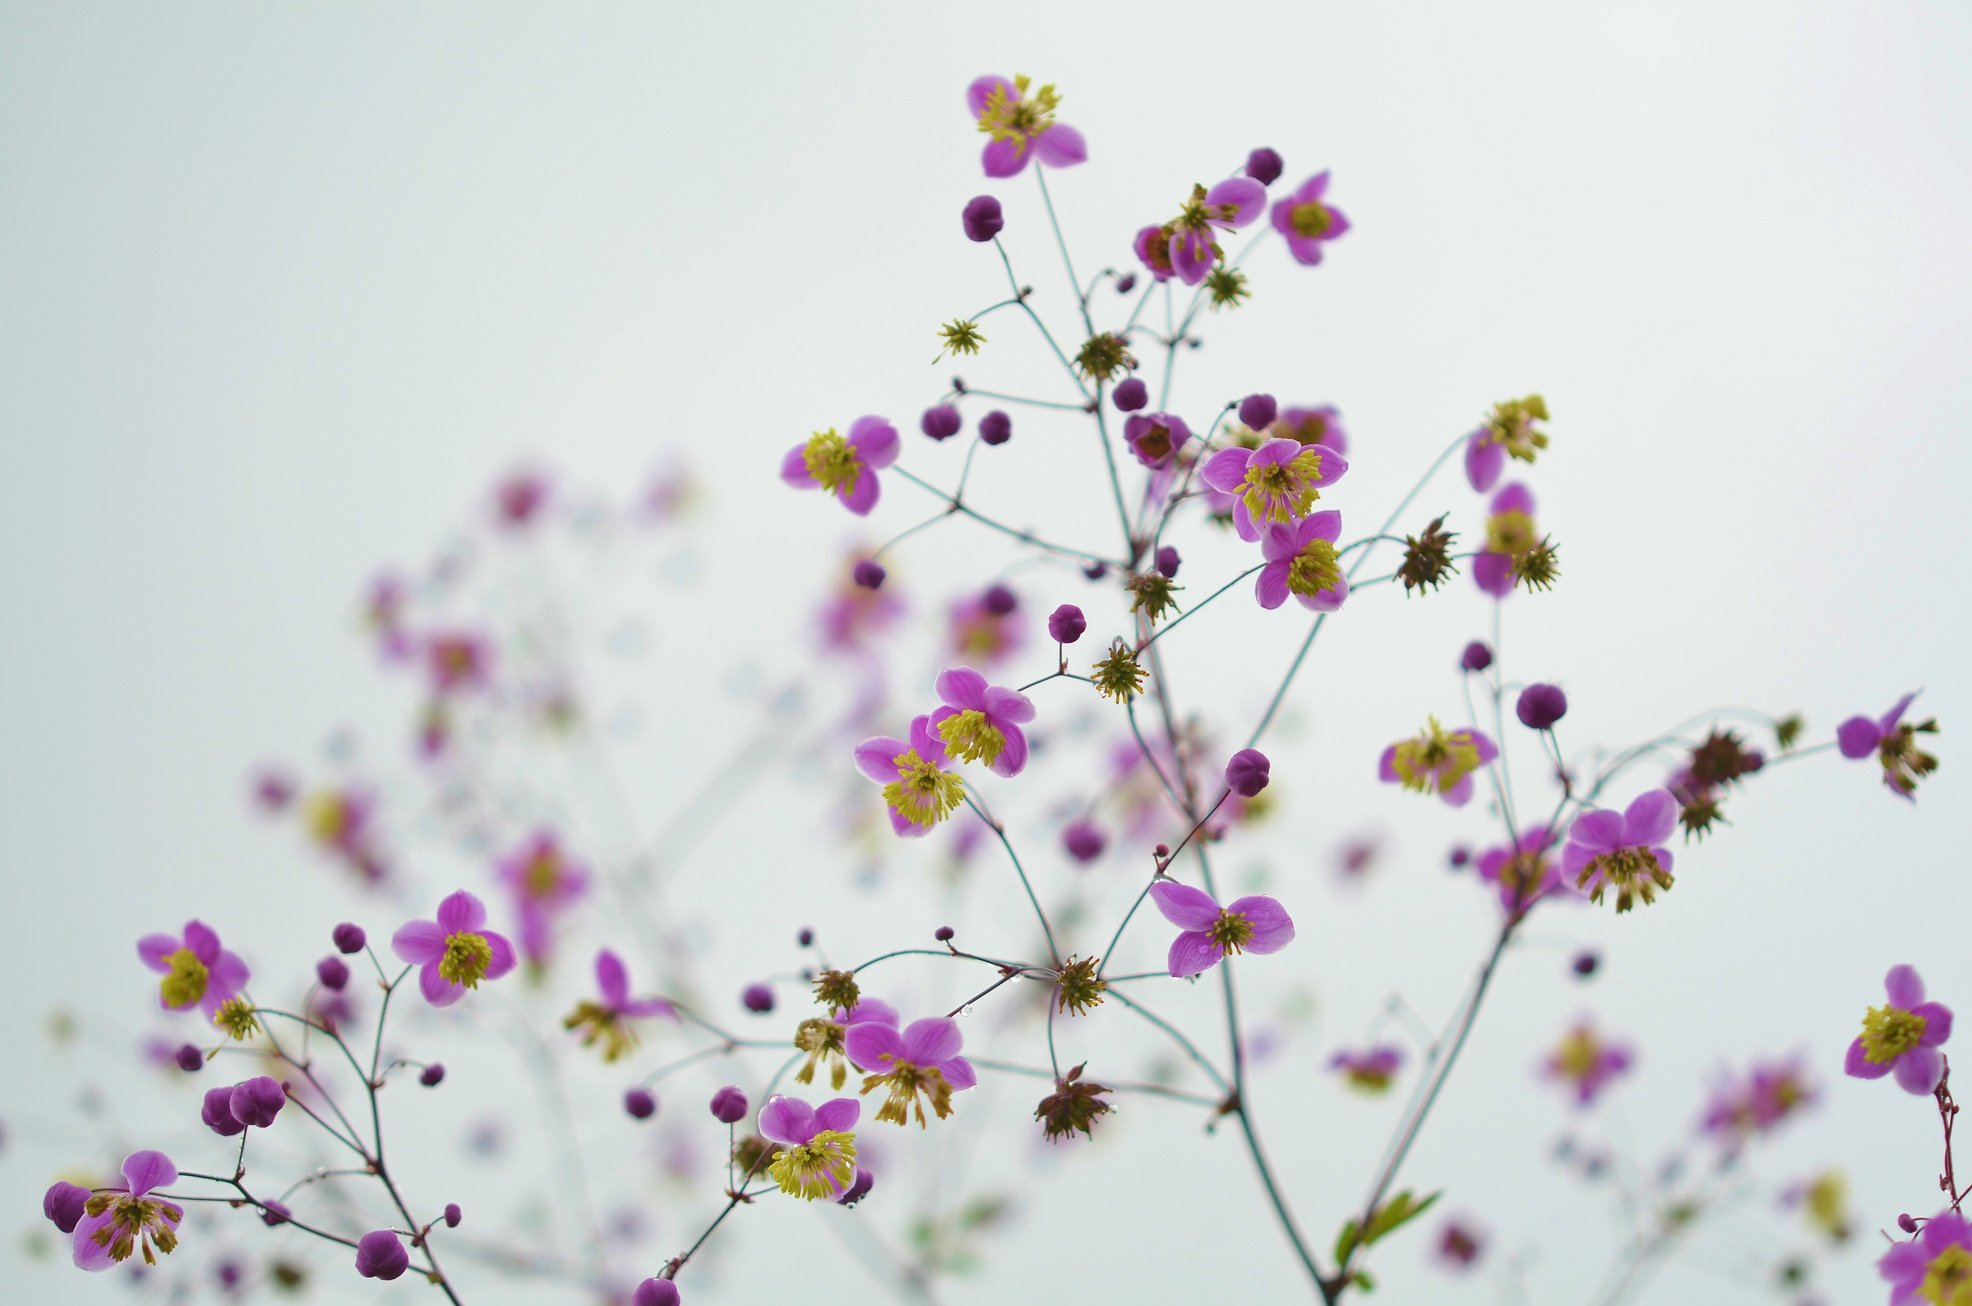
<point x="1314" y="569"/>
<point x="822" y="1041"/>
<point x="1014" y="117"/>
<point x="1155" y="443"/>
<point x="821" y="1167"/>
<point x="328" y="817"/>
<point x="922" y="793"/>
<point x="1948" y="1280"/>
<point x="1311" y="219"/>
<point x="1635" y="872"/>
<point x="1510" y="532"/>
<point x="467" y="955"/>
<point x="970" y="737"/>
<point x="907" y="1081"/>
<point x="235" y="1016"/>
<point x="1435" y="759"/>
<point x="1232" y="932"/>
<point x="543" y="876"/>
<point x="1282" y="491"/>
<point x="601" y="1024"/>
<point x="1579" y="1054"/>
<point x="1889" y="1032"/>
<point x="134" y="1223"/>
<point x="1522" y="873"/>
<point x="186" y="983"/>
<point x="832" y="462"/>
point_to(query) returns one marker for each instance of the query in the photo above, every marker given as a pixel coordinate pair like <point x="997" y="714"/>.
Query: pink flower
<point x="1275" y="484"/>
<point x="545" y="882"/>
<point x="1021" y="127"/>
<point x="981" y="722"/>
<point x="1935" y="1266"/>
<point x="130" y="1220"/>
<point x="197" y="971"/>
<point x="845" y="467"/>
<point x="1210" y="933"/>
<point x="1623" y="849"/>
<point x="455" y="952"/>
<point x="1586" y="1063"/>
<point x="1307" y="221"/>
<point x="920" y="1064"/>
<point x="917" y="786"/>
<point x="1894" y="745"/>
<point x="1902" y="1036"/>
<point x="1301" y="561"/>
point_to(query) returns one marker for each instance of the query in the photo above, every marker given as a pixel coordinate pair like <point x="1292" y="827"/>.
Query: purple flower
<point x="1510" y="535"/>
<point x="608" y="1020"/>
<point x="1263" y="165"/>
<point x="1130" y="394"/>
<point x="846" y="468"/>
<point x="1437" y="761"/>
<point x="1307" y="222"/>
<point x="817" y="1157"/>
<point x="1460" y="1245"/>
<point x="824" y="1038"/>
<point x="1623" y="849"/>
<point x="1770" y="1093"/>
<point x="921" y="1062"/>
<point x="1318" y="425"/>
<point x="1211" y="933"/>
<point x="1246" y="772"/>
<point x="1015" y="122"/>
<point x="1525" y="871"/>
<point x="1066" y="624"/>
<point x="519" y="498"/>
<point x="983" y="219"/>
<point x="1902" y="1035"/>
<point x="545" y="882"/>
<point x="127" y="1219"/>
<point x="1510" y="431"/>
<point x="729" y="1105"/>
<point x="455" y="952"/>
<point x="1189" y="239"/>
<point x="1540" y="706"/>
<point x="380" y="1254"/>
<point x="981" y="722"/>
<point x="655" y="1292"/>
<point x="1300" y="560"/>
<point x="1083" y="840"/>
<point x="980" y="627"/>
<point x="1154" y="437"/>
<point x="917" y="788"/>
<point x="197" y="971"/>
<point x="1894" y="743"/>
<point x="1275" y="484"/>
<point x="256" y="1102"/>
<point x="1586" y="1063"/>
<point x="1369" y="1070"/>
<point x="1935" y="1266"/>
<point x="63" y="1203"/>
<point x="458" y="661"/>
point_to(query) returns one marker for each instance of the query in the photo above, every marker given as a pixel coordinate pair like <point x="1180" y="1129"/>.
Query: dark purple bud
<point x="1096" y="570"/>
<point x="432" y="1075"/>
<point x="1585" y="963"/>
<point x="1540" y="706"/>
<point x="1084" y="840"/>
<point x="1904" y="1222"/>
<point x="1130" y="395"/>
<point x="757" y="997"/>
<point x="189" y="1058"/>
<point x="858" y="1190"/>
<point x="641" y="1103"/>
<point x="217" y="1112"/>
<point x="1258" y="411"/>
<point x="1461" y="855"/>
<point x="983" y="219"/>
<point x="453" y="1215"/>
<point x="655" y="1292"/>
<point x="1263" y="166"/>
<point x="63" y="1204"/>
<point x="999" y="600"/>
<point x="381" y="1255"/>
<point x="944" y="933"/>
<point x="332" y="972"/>
<point x="1066" y="624"/>
<point x="1168" y="561"/>
<point x="869" y="574"/>
<point x="230" y="1274"/>
<point x="1126" y="283"/>
<point x="1246" y="773"/>
<point x="996" y="427"/>
<point x="349" y="938"/>
<point x="805" y="937"/>
<point x="729" y="1105"/>
<point x="1477" y="657"/>
<point x="275" y="1212"/>
<point x="258" y="1101"/>
<point x="941" y="423"/>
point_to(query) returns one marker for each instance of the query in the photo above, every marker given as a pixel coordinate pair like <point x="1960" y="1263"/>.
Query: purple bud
<point x="996" y="427"/>
<point x="944" y="933"/>
<point x="275" y="1212"/>
<point x="1477" y="657"/>
<point x="869" y="574"/>
<point x="1461" y="855"/>
<point x="1126" y="283"/>
<point x="999" y="600"/>
<point x="189" y="1058"/>
<point x="1258" y="411"/>
<point x="381" y="1255"/>
<point x="757" y="997"/>
<point x="1084" y="840"/>
<point x="332" y="972"/>
<point x="1066" y="624"/>
<point x="1167" y="562"/>
<point x="432" y="1075"/>
<point x="1907" y="1224"/>
<point x="1263" y="166"/>
<point x="655" y="1292"/>
<point x="941" y="423"/>
<point x="641" y="1103"/>
<point x="349" y="937"/>
<point x="217" y="1112"/>
<point x="258" y="1101"/>
<point x="63" y="1204"/>
<point x="1540" y="706"/>
<point x="1585" y="963"/>
<point x="230" y="1274"/>
<point x="1130" y="394"/>
<point x="858" y="1190"/>
<point x="453" y="1215"/>
<point x="1096" y="570"/>
<point x="983" y="219"/>
<point x="729" y="1105"/>
<point x="805" y="937"/>
<point x="1246" y="772"/>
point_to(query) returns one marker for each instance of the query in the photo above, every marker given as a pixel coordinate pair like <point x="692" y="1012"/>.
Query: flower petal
<point x="869" y="1042"/>
<point x="875" y="439"/>
<point x="1060" y="146"/>
<point x="418" y="942"/>
<point x="962" y="687"/>
<point x="1919" y="1069"/>
<point x="1937" y="1022"/>
<point x="1273" y="929"/>
<point x="1009" y="705"/>
<point x="1600" y="830"/>
<point x="438" y="991"/>
<point x="958" y="1073"/>
<point x="1247" y="196"/>
<point x="876" y="757"/>
<point x="787" y="1119"/>
<point x="1184" y="906"/>
<point x="862" y="496"/>
<point x="152" y="949"/>
<point x="502" y="961"/>
<point x="1012" y="757"/>
<point x="203" y="942"/>
<point x="87" y="1255"/>
<point x="839" y="1114"/>
<point x="1225" y="470"/>
<point x="1192" y="952"/>
<point x="935" y="1039"/>
<point x="794" y="469"/>
<point x="461" y="911"/>
<point x="1003" y="158"/>
<point x="1270" y="588"/>
<point x="1650" y="817"/>
<point x="1857" y="1064"/>
<point x="143" y="1171"/>
<point x="1485" y="459"/>
<point x="1906" y="990"/>
<point x="612" y="980"/>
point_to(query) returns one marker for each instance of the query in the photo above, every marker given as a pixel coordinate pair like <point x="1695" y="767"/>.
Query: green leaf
<point x="1387" y="1218"/>
<point x="1345" y="1242"/>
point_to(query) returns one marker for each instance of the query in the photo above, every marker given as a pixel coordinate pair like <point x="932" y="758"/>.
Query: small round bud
<point x="349" y="937"/>
<point x="941" y="423"/>
<point x="189" y="1058"/>
<point x="217" y="1112"/>
<point x="1258" y="411"/>
<point x="1126" y="283"/>
<point x="258" y="1101"/>
<point x="805" y="937"/>
<point x="944" y="933"/>
<point x="729" y="1105"/>
<point x="996" y="427"/>
<point x="333" y="973"/>
<point x="1130" y="395"/>
<point x="1066" y="624"/>
<point x="999" y="600"/>
<point x="1907" y="1224"/>
<point x="274" y="1212"/>
<point x="1461" y="855"/>
<point x="655" y="1292"/>
<point x="1477" y="657"/>
<point x="381" y="1255"/>
<point x="641" y="1103"/>
<point x="432" y="1075"/>
<point x="63" y="1204"/>
<point x="1540" y="706"/>
<point x="1083" y="840"/>
<point x="1168" y="562"/>
<point x="869" y="574"/>
<point x="1161" y="850"/>
<point x="1096" y="570"/>
<point x="453" y="1215"/>
<point x="983" y="219"/>
<point x="1264" y="166"/>
<point x="757" y="998"/>
<point x="1246" y="773"/>
<point x="1585" y="963"/>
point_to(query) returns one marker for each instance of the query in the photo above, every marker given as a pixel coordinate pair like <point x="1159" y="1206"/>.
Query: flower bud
<point x="1264" y="166"/>
<point x="869" y="574"/>
<point x="1540" y="706"/>
<point x="1258" y="411"/>
<point x="1477" y="657"/>
<point x="858" y="1190"/>
<point x="757" y="998"/>
<point x="333" y="973"/>
<point x="1130" y="395"/>
<point x="996" y="427"/>
<point x="655" y="1292"/>
<point x="944" y="933"/>
<point x="1168" y="561"/>
<point x="1084" y="841"/>
<point x="63" y="1204"/>
<point x="1000" y="600"/>
<point x="1066" y="624"/>
<point x="941" y="423"/>
<point x="217" y="1112"/>
<point x="1585" y="963"/>
<point x="729" y="1105"/>
<point x="641" y="1103"/>
<point x="349" y="937"/>
<point x="453" y="1215"/>
<point x="257" y="1101"/>
<point x="189" y="1058"/>
<point x="432" y="1075"/>
<point x="381" y="1255"/>
<point x="1246" y="773"/>
<point x="983" y="219"/>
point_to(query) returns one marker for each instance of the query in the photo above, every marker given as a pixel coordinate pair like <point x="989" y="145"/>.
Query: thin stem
<point x="1000" y="831"/>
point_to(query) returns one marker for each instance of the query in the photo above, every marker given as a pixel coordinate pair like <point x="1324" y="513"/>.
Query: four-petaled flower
<point x="1307" y="221"/>
<point x="1016" y="122"/>
<point x="545" y="881"/>
<point x="1437" y="761"/>
<point x="844" y="466"/>
<point x="608" y="1020"/>
<point x="197" y="971"/>
<point x="455" y="952"/>
<point x="921" y="1063"/>
<point x="1275" y="484"/>
<point x="1893" y="743"/>
<point x="1586" y="1062"/>
<point x="120" y="1221"/>
<point x="1623" y="850"/>
<point x="1301" y="561"/>
<point x="1903" y="1036"/>
<point x="1210" y="933"/>
<point x="917" y="787"/>
<point x="1935" y="1266"/>
<point x="1188" y="239"/>
<point x="1524" y="871"/>
<point x="981" y="722"/>
<point x="1508" y="432"/>
<point x="817" y="1153"/>
<point x="824" y="1039"/>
